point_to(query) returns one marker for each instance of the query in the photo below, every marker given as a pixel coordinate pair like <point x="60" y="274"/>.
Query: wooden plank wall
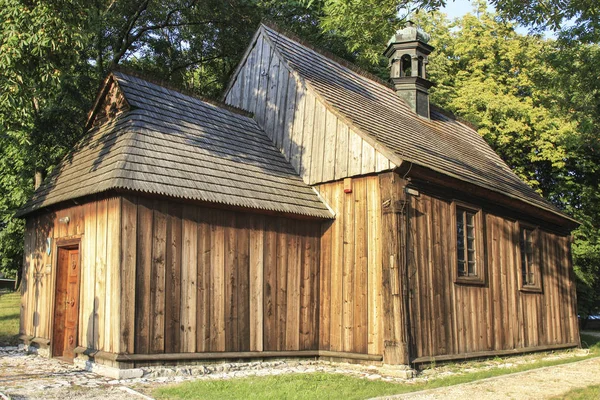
<point x="207" y="280"/>
<point x="319" y="145"/>
<point x="96" y="224"/>
<point x="351" y="309"/>
<point x="449" y="318"/>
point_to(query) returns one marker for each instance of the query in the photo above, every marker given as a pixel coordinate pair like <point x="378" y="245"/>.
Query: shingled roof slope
<point x="441" y="143"/>
<point x="176" y="145"/>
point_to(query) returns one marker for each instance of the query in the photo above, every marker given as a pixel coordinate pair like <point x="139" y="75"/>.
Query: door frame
<point x="67" y="244"/>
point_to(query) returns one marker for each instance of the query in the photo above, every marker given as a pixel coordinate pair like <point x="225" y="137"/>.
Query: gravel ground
<point x="26" y="376"/>
<point x="542" y="383"/>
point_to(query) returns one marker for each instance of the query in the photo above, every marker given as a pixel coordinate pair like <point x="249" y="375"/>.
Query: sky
<point x="458" y="8"/>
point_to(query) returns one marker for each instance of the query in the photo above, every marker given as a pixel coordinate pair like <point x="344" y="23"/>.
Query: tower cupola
<point x="407" y="52"/>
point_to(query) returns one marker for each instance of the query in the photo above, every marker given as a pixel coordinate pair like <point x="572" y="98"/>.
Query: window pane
<point x="471" y="254"/>
<point x="461" y="254"/>
<point x="472" y="268"/>
<point x="526" y="247"/>
<point x="461" y="268"/>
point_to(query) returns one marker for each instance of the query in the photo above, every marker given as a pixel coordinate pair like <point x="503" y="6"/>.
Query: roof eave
<point x="506" y="200"/>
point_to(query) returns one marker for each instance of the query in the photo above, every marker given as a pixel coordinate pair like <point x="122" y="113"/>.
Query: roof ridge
<point x="325" y="53"/>
<point x="168" y="85"/>
<point x="355" y="68"/>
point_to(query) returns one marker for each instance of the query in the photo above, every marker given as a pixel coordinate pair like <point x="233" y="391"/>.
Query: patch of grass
<point x="590" y="392"/>
<point x="590" y="342"/>
<point x="290" y="386"/>
<point x="9" y="319"/>
<point x="321" y="385"/>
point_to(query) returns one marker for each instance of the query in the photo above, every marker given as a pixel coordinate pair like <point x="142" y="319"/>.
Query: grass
<point x="321" y="385"/>
<point x="590" y="392"/>
<point x="9" y="319"/>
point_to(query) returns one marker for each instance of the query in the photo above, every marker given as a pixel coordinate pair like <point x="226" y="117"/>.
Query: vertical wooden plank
<point x="217" y="288"/>
<point x="325" y="273"/>
<point x="271" y="111"/>
<point x="45" y="290"/>
<point x="297" y="130"/>
<point x="307" y="136"/>
<point x="261" y="98"/>
<point x="113" y="275"/>
<point x="173" y="279"/>
<point x="375" y="320"/>
<point x="318" y="143"/>
<point x="348" y="271"/>
<point x="288" y="122"/>
<point x="305" y="328"/>
<point x="361" y="258"/>
<point x="330" y="146"/>
<point x="337" y="258"/>
<point x="235" y="93"/>
<point x="254" y="75"/>
<point x="189" y="266"/>
<point x="158" y="277"/>
<point x="203" y="299"/>
<point x="430" y="327"/>
<point x="282" y="284"/>
<point x="312" y="254"/>
<point x="270" y="285"/>
<point x="341" y="153"/>
<point x="382" y="163"/>
<point x="34" y="279"/>
<point x="231" y="283"/>
<point x="128" y="271"/>
<point x="143" y="275"/>
<point x="256" y="283"/>
<point x="294" y="269"/>
<point x="100" y="289"/>
<point x="282" y="89"/>
<point x="368" y="158"/>
<point x="354" y="153"/>
<point x="243" y="288"/>
<point x="26" y="281"/>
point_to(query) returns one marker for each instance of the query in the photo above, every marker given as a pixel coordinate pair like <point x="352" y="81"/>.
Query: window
<point x="530" y="276"/>
<point x="465" y="242"/>
<point x="469" y="245"/>
<point x="405" y="66"/>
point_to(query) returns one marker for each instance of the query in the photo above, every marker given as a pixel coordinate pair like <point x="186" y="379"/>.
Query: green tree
<point x="537" y="102"/>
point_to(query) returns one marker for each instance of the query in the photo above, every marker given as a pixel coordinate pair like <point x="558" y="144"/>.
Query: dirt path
<point x="542" y="383"/>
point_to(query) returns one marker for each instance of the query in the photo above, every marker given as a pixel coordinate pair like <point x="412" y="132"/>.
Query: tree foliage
<point x="535" y="100"/>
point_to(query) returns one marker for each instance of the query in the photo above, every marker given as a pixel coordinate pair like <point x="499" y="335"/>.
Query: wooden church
<point x="319" y="212"/>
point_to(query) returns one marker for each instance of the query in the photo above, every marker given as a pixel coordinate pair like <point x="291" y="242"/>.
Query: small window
<point x="405" y="66"/>
<point x="530" y="274"/>
<point x="469" y="245"/>
<point x="465" y="243"/>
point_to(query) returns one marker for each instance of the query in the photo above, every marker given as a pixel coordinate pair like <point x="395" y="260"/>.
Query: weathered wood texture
<point x="319" y="145"/>
<point x="210" y="280"/>
<point x="97" y="225"/>
<point x="351" y="307"/>
<point x="449" y="318"/>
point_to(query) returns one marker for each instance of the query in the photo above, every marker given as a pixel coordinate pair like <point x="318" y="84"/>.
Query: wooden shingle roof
<point x="175" y="145"/>
<point x="440" y="143"/>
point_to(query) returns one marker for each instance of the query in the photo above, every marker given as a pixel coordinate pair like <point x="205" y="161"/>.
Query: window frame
<point x="479" y="244"/>
<point x="537" y="269"/>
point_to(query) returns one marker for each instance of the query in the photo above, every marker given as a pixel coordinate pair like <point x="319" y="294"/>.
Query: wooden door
<point x="66" y="310"/>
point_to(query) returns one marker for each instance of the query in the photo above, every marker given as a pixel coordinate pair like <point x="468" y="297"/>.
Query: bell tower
<point x="407" y="52"/>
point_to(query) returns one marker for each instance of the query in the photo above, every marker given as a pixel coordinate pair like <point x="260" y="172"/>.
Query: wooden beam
<point x="493" y="353"/>
<point x="244" y="354"/>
